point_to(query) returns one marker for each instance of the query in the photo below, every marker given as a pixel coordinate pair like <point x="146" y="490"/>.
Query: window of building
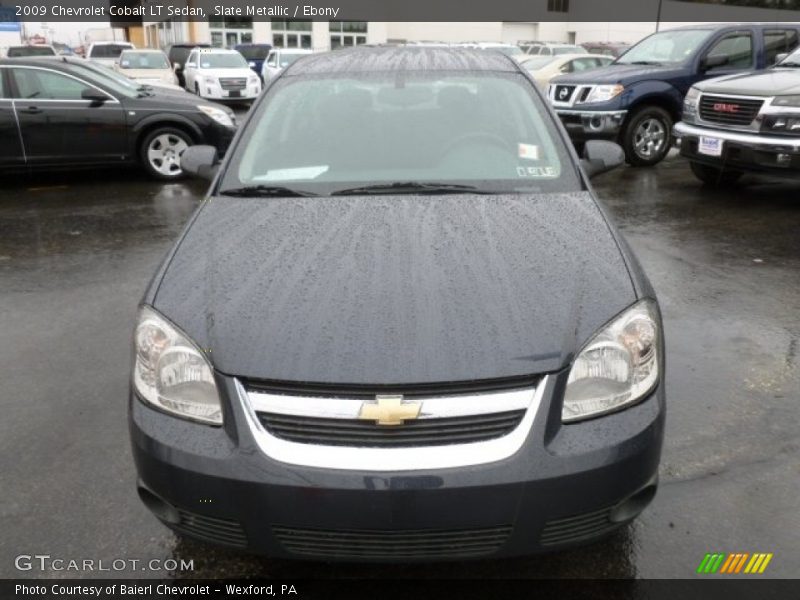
<point x="561" y="6"/>
<point x="227" y="32"/>
<point x="290" y="33"/>
<point x="347" y="33"/>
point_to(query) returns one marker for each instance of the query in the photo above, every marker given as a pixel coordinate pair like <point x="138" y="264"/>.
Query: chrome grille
<point x="423" y="432"/>
<point x="577" y="528"/>
<point x="211" y="529"/>
<point x="390" y="544"/>
<point x="729" y="110"/>
<point x="233" y="83"/>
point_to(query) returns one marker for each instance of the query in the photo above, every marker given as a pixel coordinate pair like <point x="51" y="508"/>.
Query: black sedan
<point x="401" y="327"/>
<point x="69" y="113"/>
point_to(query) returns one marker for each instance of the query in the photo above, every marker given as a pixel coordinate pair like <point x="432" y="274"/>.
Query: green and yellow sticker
<point x="735" y="563"/>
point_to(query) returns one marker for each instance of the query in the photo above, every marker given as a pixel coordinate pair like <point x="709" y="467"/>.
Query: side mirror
<point x="200" y="161"/>
<point x="177" y="67"/>
<point x="600" y="156"/>
<point x="780" y="57"/>
<point x="93" y="95"/>
<point x="712" y="62"/>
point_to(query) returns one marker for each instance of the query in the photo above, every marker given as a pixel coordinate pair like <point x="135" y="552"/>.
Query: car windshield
<point x="569" y="50"/>
<point x="422" y="131"/>
<point x="108" y="50"/>
<point x="20" y="51"/>
<point x="287" y="58"/>
<point x="537" y="62"/>
<point x="254" y="52"/>
<point x="143" y="60"/>
<point x="220" y="60"/>
<point x="509" y="50"/>
<point x="667" y="47"/>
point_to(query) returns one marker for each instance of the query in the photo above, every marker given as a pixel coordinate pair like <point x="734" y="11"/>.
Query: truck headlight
<point x="786" y="100"/>
<point x="618" y="367"/>
<point x="211" y="80"/>
<point x="219" y="115"/>
<point x="604" y="93"/>
<point x="171" y="373"/>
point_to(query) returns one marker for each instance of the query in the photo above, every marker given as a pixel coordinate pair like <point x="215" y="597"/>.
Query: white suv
<point x="220" y="74"/>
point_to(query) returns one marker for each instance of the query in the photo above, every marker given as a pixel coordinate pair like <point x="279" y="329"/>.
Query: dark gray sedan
<point x="400" y="327"/>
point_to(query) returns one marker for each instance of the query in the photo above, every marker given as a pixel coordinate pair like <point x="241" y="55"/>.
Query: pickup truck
<point x="740" y="123"/>
<point x="636" y="100"/>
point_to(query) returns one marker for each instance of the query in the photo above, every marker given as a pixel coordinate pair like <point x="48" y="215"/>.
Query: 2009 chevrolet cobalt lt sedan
<point x="400" y="327"/>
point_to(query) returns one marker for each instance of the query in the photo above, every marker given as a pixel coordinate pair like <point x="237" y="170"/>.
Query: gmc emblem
<point x="728" y="108"/>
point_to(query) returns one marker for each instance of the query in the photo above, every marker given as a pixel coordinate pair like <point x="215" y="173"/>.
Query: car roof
<point x="405" y="58"/>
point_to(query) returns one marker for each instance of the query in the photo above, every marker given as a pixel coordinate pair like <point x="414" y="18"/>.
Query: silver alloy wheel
<point x="649" y="139"/>
<point x="164" y="154"/>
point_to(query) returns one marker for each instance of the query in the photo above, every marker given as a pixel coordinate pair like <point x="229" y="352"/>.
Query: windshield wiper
<point x="256" y="191"/>
<point x="411" y="187"/>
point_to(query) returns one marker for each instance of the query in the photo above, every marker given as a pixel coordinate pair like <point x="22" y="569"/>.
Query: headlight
<point x="617" y="367"/>
<point x="691" y="96"/>
<point x="170" y="373"/>
<point x="253" y="80"/>
<point x="604" y="93"/>
<point x="219" y="115"/>
<point x="211" y="80"/>
<point x="782" y="123"/>
<point x="786" y="101"/>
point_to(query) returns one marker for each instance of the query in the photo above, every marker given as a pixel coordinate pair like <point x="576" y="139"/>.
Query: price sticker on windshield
<point x="710" y="146"/>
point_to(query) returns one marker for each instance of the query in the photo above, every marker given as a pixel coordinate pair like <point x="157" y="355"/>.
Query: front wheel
<point x="161" y="152"/>
<point x="714" y="176"/>
<point x="647" y="136"/>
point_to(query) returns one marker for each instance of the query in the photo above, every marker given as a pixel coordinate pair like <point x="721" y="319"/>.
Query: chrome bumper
<point x="593" y="122"/>
<point x="767" y="143"/>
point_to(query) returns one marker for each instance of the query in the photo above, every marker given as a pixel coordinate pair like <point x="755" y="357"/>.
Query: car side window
<point x="272" y="60"/>
<point x="581" y="64"/>
<point x="46" y="85"/>
<point x="737" y="47"/>
<point x="778" y="41"/>
<point x="192" y="60"/>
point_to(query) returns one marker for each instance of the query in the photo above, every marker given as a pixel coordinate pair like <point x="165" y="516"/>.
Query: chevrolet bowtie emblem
<point x="389" y="410"/>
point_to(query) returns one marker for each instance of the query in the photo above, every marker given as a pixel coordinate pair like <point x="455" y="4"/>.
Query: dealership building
<point x="567" y="25"/>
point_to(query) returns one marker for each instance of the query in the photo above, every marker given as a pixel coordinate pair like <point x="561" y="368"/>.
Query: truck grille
<point x="233" y="83"/>
<point x="388" y="544"/>
<point x="422" y="432"/>
<point x="727" y="110"/>
<point x="563" y="93"/>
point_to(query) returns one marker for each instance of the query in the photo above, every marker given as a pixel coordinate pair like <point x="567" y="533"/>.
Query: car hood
<point x="395" y="289"/>
<point x="623" y="74"/>
<point x="772" y="82"/>
<point x="148" y="73"/>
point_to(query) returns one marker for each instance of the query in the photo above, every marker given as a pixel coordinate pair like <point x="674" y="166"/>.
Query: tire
<point x="196" y="89"/>
<point x="160" y="152"/>
<point x="714" y="176"/>
<point x="647" y="136"/>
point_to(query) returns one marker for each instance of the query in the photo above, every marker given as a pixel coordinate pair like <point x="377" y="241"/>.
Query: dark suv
<point x="636" y="99"/>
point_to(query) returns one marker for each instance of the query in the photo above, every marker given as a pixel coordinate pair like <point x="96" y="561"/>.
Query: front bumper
<point x="215" y="92"/>
<point x="585" y="125"/>
<point x="741" y="150"/>
<point x="567" y="485"/>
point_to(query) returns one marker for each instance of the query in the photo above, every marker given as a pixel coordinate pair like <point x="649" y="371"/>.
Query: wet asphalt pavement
<point x="76" y="252"/>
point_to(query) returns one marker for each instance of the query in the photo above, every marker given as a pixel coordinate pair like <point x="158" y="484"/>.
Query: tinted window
<point x="328" y="133"/>
<point x="108" y="50"/>
<point x="254" y="52"/>
<point x="674" y="46"/>
<point x="778" y="41"/>
<point x="737" y="47"/>
<point x="46" y="85"/>
<point x="30" y="51"/>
